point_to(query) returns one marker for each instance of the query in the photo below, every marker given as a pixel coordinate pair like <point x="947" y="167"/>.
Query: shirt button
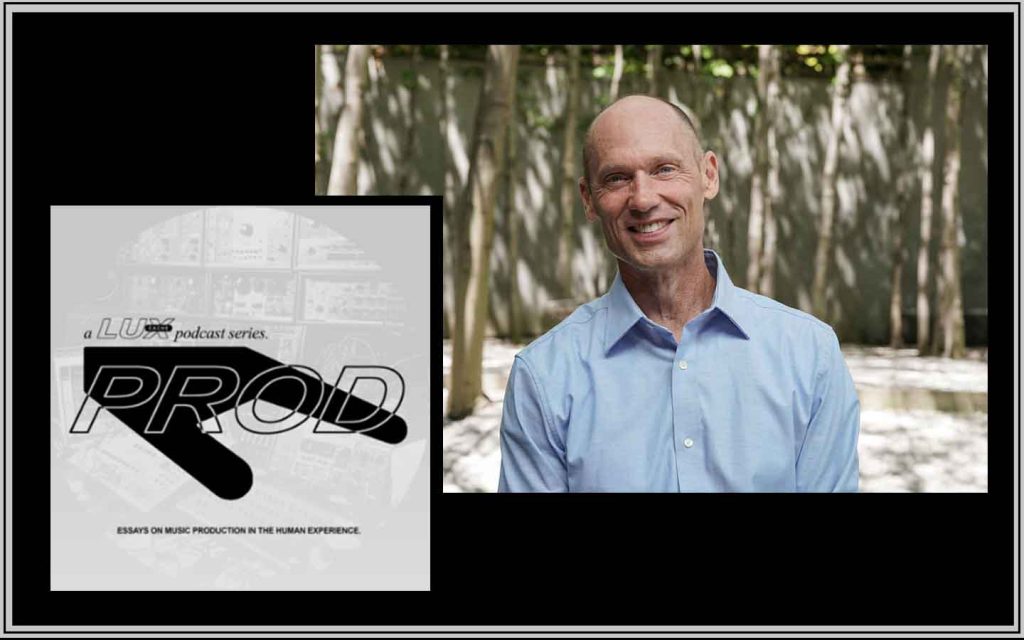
<point x="688" y="443"/>
<point x="682" y="364"/>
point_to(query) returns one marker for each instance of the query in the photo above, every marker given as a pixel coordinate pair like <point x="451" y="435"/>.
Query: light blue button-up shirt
<point x="755" y="397"/>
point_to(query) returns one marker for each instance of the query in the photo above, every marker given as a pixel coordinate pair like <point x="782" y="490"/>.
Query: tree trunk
<point x="613" y="94"/>
<point x="655" y="75"/>
<point x="328" y="107"/>
<point x="950" y="329"/>
<point x="927" y="205"/>
<point x="731" y="239"/>
<point x="512" y="227"/>
<point x="345" y="164"/>
<point x="409" y="143"/>
<point x="823" y="255"/>
<point x="691" y="103"/>
<point x="569" y="177"/>
<point x="446" y="109"/>
<point x="759" y="178"/>
<point x="318" y="82"/>
<point x="771" y="195"/>
<point x="475" y="229"/>
<point x="903" y="187"/>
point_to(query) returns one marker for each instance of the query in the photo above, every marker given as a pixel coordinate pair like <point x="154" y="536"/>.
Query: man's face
<point x="648" y="184"/>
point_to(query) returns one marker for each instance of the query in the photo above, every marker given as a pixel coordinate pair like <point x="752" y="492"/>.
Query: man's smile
<point x="650" y="231"/>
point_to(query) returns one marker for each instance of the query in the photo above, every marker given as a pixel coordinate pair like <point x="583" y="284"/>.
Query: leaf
<point x="720" y="68"/>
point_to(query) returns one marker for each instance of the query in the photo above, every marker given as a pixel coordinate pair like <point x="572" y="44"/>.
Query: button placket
<point x="688" y="428"/>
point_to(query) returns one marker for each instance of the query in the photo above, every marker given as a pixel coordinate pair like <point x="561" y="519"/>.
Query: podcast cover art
<point x="240" y="398"/>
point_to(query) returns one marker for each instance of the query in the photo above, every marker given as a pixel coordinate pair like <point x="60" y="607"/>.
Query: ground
<point x="924" y="422"/>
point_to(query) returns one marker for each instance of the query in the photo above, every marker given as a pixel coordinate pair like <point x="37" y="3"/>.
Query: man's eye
<point x="615" y="179"/>
<point x="666" y="169"/>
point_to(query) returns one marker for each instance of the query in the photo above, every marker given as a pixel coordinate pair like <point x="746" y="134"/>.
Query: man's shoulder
<point x="571" y="335"/>
<point x="778" y="317"/>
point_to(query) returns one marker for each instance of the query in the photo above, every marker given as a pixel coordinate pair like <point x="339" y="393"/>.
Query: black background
<point x="214" y="109"/>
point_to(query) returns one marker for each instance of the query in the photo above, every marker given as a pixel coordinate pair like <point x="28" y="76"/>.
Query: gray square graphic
<point x="332" y="290"/>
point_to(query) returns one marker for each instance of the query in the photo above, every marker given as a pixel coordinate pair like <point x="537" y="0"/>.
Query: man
<point x="676" y="379"/>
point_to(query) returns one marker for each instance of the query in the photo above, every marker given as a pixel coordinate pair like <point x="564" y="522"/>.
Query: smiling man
<point x="676" y="379"/>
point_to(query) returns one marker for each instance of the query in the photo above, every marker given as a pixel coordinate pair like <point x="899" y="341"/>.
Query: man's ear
<point x="588" y="205"/>
<point x="710" y="175"/>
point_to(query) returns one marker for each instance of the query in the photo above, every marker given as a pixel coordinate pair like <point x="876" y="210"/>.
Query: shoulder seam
<point x="802" y="315"/>
<point x="564" y="325"/>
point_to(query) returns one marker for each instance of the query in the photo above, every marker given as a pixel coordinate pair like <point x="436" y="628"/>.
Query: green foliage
<point x="718" y="61"/>
<point x="409" y="78"/>
<point x="821" y="59"/>
<point x="719" y="68"/>
<point x="529" y="107"/>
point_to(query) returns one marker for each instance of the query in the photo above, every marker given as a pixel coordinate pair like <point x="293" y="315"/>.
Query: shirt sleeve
<point x="532" y="459"/>
<point x="828" y="458"/>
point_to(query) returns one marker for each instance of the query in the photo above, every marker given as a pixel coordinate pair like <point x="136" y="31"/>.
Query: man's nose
<point x="644" y="194"/>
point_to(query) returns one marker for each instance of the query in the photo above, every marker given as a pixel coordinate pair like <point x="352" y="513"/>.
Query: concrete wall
<point x="869" y="162"/>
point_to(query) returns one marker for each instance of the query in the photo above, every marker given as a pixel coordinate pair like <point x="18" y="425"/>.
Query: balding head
<point x="636" y="106"/>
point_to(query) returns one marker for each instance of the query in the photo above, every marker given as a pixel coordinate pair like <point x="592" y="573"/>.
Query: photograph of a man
<point x="676" y="380"/>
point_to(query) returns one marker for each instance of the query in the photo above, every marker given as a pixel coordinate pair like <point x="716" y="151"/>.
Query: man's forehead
<point x="638" y="109"/>
<point x="641" y="127"/>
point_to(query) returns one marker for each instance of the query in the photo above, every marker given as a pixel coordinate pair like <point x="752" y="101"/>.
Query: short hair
<point x="588" y="144"/>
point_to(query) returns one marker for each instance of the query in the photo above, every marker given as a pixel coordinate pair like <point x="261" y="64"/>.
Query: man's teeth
<point x="648" y="228"/>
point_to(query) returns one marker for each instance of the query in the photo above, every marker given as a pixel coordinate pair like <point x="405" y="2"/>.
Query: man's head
<point x="646" y="179"/>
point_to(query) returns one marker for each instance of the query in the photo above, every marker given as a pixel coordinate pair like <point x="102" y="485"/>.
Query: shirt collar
<point x="623" y="311"/>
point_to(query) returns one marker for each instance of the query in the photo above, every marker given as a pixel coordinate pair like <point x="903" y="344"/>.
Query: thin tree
<point x="691" y="102"/>
<point x="950" y="329"/>
<point x="903" y="188"/>
<point x="760" y="199"/>
<point x="512" y="227"/>
<point x="569" y="177"/>
<point x="329" y="102"/>
<point x="925" y="170"/>
<point x="345" y="163"/>
<point x="823" y="255"/>
<point x="617" y="67"/>
<point x="474" y="229"/>
<point x="446" y="108"/>
<point x="655" y="72"/>
<point x="446" y="124"/>
<point x="771" y="195"/>
<point x="409" y="143"/>
<point x="317" y="84"/>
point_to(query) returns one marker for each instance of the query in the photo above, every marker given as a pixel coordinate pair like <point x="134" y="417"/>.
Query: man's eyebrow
<point x="668" y="159"/>
<point x="606" y="170"/>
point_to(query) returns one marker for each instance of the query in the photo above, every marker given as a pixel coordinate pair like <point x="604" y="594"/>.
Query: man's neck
<point x="671" y="298"/>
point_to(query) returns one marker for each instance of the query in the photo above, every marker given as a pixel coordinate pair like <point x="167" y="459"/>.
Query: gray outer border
<point x="504" y="631"/>
<point x="518" y="7"/>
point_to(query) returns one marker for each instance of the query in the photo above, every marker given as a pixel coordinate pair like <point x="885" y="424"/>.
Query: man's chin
<point x="653" y="260"/>
<point x="649" y="264"/>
